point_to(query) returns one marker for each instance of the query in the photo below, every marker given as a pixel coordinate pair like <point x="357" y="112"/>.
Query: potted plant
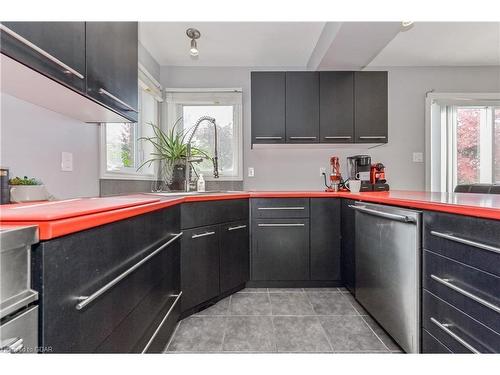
<point x="27" y="189"/>
<point x="170" y="149"/>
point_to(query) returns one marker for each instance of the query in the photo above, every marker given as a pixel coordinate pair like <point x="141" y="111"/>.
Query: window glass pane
<point x="468" y="141"/>
<point x="204" y="137"/>
<point x="496" y="146"/>
<point x="120" y="146"/>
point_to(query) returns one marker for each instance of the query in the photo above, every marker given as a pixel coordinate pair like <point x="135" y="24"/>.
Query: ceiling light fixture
<point x="406" y="25"/>
<point x="193" y="34"/>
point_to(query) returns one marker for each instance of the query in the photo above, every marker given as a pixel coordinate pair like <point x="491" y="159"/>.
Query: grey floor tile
<point x="249" y="333"/>
<point x="331" y="303"/>
<point x="285" y="290"/>
<point x="221" y="308"/>
<point x="198" y="334"/>
<point x="250" y="304"/>
<point x="300" y="334"/>
<point x="253" y="290"/>
<point x="355" y="304"/>
<point x="386" y="339"/>
<point x="351" y="334"/>
<point x="290" y="304"/>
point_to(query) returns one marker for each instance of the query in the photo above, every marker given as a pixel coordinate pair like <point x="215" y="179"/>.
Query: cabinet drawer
<point x="270" y="208"/>
<point x="197" y="214"/>
<point x="456" y="330"/>
<point x="473" y="241"/>
<point x="431" y="345"/>
<point x="474" y="292"/>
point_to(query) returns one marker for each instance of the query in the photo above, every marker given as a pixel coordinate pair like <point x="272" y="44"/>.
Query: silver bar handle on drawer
<point x="444" y="327"/>
<point x="298" y="138"/>
<point x="280" y="208"/>
<point x="118" y="100"/>
<point x="13" y="345"/>
<point x="282" y="225"/>
<point x="372" y="137"/>
<point x="237" y="227"/>
<point x="26" y="42"/>
<point x="386" y="215"/>
<point x="269" y="138"/>
<point x="338" y="137"/>
<point x="479" y="245"/>
<point x="202" y="234"/>
<point x="446" y="282"/>
<point x="85" y="300"/>
<point x="177" y="298"/>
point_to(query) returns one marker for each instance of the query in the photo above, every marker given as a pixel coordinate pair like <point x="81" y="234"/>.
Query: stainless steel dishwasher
<point x="387" y="257"/>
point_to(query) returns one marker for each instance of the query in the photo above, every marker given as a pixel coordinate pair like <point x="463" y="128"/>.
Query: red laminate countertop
<point x="56" y="219"/>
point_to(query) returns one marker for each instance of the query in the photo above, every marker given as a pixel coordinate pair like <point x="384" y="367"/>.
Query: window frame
<point x="178" y="97"/>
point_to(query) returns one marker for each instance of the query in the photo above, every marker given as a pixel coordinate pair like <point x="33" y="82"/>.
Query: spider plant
<point x="170" y="147"/>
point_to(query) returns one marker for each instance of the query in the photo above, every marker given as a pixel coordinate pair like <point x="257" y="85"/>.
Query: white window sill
<point x="126" y="176"/>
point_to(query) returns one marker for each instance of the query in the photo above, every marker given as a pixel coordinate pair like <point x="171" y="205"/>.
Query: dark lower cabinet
<point x="280" y="249"/>
<point x="234" y="255"/>
<point x="347" y="245"/>
<point x="325" y="239"/>
<point x="199" y="266"/>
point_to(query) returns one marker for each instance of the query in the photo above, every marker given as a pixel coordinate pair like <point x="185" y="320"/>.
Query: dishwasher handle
<point x="385" y="215"/>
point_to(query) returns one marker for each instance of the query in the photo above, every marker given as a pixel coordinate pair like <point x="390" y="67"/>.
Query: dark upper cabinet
<point x="302" y="107"/>
<point x="234" y="255"/>
<point x="347" y="245"/>
<point x="325" y="239"/>
<point x="336" y="107"/>
<point x="54" y="49"/>
<point x="112" y="55"/>
<point x="268" y="107"/>
<point x="370" y="107"/>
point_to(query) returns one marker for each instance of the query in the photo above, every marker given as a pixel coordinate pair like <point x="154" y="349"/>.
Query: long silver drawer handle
<point x="178" y="297"/>
<point x="444" y="327"/>
<point x="237" y="227"/>
<point x="85" y="300"/>
<point x="302" y="137"/>
<point x="281" y="208"/>
<point x="446" y="282"/>
<point x="479" y="245"/>
<point x="372" y="137"/>
<point x="282" y="225"/>
<point x="386" y="215"/>
<point x="202" y="234"/>
<point x="107" y="93"/>
<point x="268" y="137"/>
<point x="338" y="137"/>
<point x="13" y="345"/>
<point x="42" y="52"/>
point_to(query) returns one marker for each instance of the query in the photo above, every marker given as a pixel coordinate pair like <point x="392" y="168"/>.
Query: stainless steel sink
<point x="187" y="193"/>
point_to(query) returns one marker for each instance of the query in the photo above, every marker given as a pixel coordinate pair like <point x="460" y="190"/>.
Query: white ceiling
<point x="257" y="44"/>
<point x="443" y="43"/>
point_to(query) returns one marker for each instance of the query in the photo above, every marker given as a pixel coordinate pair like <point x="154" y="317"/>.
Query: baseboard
<point x="293" y="284"/>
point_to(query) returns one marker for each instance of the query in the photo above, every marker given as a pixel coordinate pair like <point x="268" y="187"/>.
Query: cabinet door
<point x="370" y="107"/>
<point x="336" y="108"/>
<point x="268" y="107"/>
<point x="280" y="249"/>
<point x="234" y="255"/>
<point x="302" y="107"/>
<point x="325" y="239"/>
<point x="347" y="245"/>
<point x="199" y="266"/>
<point x="54" y="49"/>
<point x="112" y="64"/>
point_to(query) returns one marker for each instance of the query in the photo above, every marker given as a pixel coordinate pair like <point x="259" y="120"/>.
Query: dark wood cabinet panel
<point x="197" y="214"/>
<point x="370" y="107"/>
<point x="112" y="64"/>
<point x="302" y="107"/>
<point x="272" y="208"/>
<point x="325" y="239"/>
<point x="336" y="120"/>
<point x="431" y="345"/>
<point x="268" y="107"/>
<point x="234" y="255"/>
<point x="64" y="41"/>
<point x="347" y="245"/>
<point x="280" y="249"/>
<point x="199" y="265"/>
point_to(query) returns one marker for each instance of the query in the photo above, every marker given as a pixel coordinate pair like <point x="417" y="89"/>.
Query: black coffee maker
<point x="358" y="168"/>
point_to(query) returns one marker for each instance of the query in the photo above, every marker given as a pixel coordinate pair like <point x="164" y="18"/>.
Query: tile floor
<point x="312" y="320"/>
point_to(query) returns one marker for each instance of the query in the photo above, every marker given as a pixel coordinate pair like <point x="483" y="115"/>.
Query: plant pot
<point x="177" y="182"/>
<point x="28" y="193"/>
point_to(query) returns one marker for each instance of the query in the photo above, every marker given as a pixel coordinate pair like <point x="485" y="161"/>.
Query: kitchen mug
<point x="354" y="185"/>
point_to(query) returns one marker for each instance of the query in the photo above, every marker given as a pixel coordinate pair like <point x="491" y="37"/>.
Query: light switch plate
<point x="418" y="157"/>
<point x="251" y="172"/>
<point x="66" y="161"/>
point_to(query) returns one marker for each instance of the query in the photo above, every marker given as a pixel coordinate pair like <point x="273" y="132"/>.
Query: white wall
<point x="32" y="139"/>
<point x="295" y="168"/>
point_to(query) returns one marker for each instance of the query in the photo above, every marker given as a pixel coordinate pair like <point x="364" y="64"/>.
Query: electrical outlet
<point x="418" y="157"/>
<point x="322" y="171"/>
<point x="66" y="161"/>
<point x="251" y="172"/>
